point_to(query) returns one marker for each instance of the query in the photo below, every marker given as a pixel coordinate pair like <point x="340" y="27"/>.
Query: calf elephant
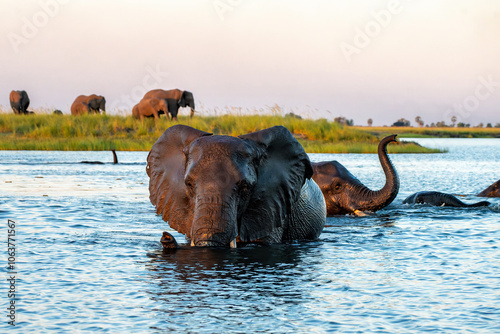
<point x="94" y="103"/>
<point x="439" y="199"/>
<point x="223" y="190"/>
<point x="345" y="194"/>
<point x="175" y="98"/>
<point x="19" y="101"/>
<point x="491" y="191"/>
<point x="150" y="107"/>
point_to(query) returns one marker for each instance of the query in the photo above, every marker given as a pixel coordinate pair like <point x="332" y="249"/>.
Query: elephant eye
<point x="337" y="186"/>
<point x="243" y="186"/>
<point x="189" y="183"/>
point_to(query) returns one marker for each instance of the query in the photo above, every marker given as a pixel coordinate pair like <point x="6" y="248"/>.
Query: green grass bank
<point x="433" y="132"/>
<point x="124" y="133"/>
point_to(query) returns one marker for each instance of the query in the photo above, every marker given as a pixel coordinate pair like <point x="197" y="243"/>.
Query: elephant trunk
<point x="214" y="222"/>
<point x="370" y="200"/>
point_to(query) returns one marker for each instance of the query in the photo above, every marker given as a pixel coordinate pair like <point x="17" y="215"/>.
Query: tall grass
<point x="425" y="132"/>
<point x="104" y="132"/>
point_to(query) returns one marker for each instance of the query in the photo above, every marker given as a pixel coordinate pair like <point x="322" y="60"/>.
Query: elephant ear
<point x="281" y="173"/>
<point x="166" y="168"/>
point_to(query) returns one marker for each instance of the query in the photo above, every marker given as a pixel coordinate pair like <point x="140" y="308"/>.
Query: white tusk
<point x="233" y="244"/>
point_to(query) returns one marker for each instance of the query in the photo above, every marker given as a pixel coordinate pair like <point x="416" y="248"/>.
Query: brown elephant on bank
<point x="94" y="104"/>
<point x="175" y="98"/>
<point x="19" y="101"/>
<point x="150" y="107"/>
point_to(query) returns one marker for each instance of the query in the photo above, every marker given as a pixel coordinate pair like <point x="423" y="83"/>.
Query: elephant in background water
<point x="91" y="104"/>
<point x="345" y="194"/>
<point x="223" y="190"/>
<point x="19" y="102"/>
<point x="437" y="198"/>
<point x="150" y="107"/>
<point x="491" y="191"/>
<point x="175" y="98"/>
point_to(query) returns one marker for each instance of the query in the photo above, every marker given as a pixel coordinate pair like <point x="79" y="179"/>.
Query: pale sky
<point x="359" y="58"/>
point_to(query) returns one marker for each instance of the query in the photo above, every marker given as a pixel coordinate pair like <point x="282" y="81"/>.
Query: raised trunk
<point x="375" y="200"/>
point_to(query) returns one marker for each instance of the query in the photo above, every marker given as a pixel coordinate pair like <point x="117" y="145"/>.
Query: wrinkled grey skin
<point x="222" y="190"/>
<point x="491" y="191"/>
<point x="19" y="102"/>
<point x="345" y="194"/>
<point x="439" y="199"/>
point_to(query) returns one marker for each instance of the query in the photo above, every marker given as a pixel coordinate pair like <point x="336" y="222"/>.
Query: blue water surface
<point x="89" y="260"/>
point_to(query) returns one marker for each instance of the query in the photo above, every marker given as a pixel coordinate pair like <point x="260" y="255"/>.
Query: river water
<point x="88" y="257"/>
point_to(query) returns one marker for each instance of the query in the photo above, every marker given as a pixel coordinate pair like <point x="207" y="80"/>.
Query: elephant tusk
<point x="233" y="244"/>
<point x="192" y="243"/>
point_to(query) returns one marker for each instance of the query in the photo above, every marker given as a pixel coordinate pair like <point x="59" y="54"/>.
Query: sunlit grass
<point x="45" y="131"/>
<point x="428" y="132"/>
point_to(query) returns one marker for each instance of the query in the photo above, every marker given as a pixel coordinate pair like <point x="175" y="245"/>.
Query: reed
<point x="44" y="131"/>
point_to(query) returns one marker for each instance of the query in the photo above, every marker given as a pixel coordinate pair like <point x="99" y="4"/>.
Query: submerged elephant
<point x="150" y="107"/>
<point x="175" y="98"/>
<point x="19" y="101"/>
<point x="437" y="198"/>
<point x="220" y="190"/>
<point x="94" y="103"/>
<point x="491" y="191"/>
<point x="115" y="160"/>
<point x="345" y="194"/>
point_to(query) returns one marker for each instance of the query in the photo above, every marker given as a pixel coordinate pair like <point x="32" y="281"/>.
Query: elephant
<point x="19" y="101"/>
<point x="223" y="191"/>
<point x="175" y="98"/>
<point x="345" y="194"/>
<point x="491" y="191"/>
<point x="57" y="112"/>
<point x="94" y="103"/>
<point x="437" y="198"/>
<point x="150" y="107"/>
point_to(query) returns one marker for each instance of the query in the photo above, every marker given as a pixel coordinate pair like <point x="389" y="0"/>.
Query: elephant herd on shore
<point x="259" y="187"/>
<point x="153" y="104"/>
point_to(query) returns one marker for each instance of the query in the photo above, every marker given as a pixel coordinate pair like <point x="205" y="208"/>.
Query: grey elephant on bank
<point x="223" y="190"/>
<point x="437" y="198"/>
<point x="150" y="107"/>
<point x="175" y="99"/>
<point x="19" y="102"/>
<point x="84" y="104"/>
<point x="345" y="194"/>
<point x="491" y="191"/>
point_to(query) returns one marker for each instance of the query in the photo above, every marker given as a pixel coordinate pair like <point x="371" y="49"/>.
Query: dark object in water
<point x="115" y="160"/>
<point x="168" y="241"/>
<point x="439" y="199"/>
<point x="491" y="191"/>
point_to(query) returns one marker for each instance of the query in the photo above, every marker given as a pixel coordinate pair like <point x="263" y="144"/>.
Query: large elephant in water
<point x="19" y="101"/>
<point x="223" y="190"/>
<point x="150" y="107"/>
<point x="437" y="198"/>
<point x="94" y="103"/>
<point x="491" y="191"/>
<point x="175" y="98"/>
<point x="345" y="194"/>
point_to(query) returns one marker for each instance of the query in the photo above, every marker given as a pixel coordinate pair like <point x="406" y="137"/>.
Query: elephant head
<point x="187" y="100"/>
<point x="345" y="194"/>
<point x="492" y="191"/>
<point x="96" y="103"/>
<point x="219" y="189"/>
